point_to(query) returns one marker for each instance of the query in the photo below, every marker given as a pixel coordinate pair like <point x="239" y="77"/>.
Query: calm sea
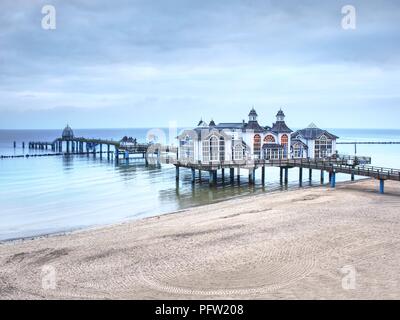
<point x="63" y="193"/>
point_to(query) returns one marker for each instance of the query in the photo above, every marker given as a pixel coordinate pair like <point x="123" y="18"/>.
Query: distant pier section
<point x="125" y="149"/>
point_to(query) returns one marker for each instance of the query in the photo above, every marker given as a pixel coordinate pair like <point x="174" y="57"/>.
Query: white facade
<point x="249" y="141"/>
<point x="317" y="143"/>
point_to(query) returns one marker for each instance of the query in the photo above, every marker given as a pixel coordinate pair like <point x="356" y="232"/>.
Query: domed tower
<point x="67" y="133"/>
<point x="280" y="116"/>
<point x="253" y="115"/>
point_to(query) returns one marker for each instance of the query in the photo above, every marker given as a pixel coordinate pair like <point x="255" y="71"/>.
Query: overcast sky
<point x="145" y="63"/>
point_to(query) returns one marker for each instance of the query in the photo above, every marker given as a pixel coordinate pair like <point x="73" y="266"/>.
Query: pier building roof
<point x="312" y="132"/>
<point x="254" y="125"/>
<point x="230" y="125"/>
<point x="280" y="127"/>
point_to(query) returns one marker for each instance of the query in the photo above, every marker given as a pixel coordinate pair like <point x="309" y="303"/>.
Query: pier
<point x="342" y="164"/>
<point x="128" y="149"/>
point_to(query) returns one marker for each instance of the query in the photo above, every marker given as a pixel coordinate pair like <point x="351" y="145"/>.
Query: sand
<point x="316" y="243"/>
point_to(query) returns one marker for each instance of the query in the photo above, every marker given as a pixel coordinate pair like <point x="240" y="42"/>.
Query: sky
<point x="145" y="63"/>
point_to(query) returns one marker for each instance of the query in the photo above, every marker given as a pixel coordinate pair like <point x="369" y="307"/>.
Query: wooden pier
<point x="342" y="164"/>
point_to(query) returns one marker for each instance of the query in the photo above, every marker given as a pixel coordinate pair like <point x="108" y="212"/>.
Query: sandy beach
<point x="303" y="244"/>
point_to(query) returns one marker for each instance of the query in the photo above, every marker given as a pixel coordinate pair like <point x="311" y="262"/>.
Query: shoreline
<point x="282" y="245"/>
<point x="90" y="228"/>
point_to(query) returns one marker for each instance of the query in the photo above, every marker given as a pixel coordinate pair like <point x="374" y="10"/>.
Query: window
<point x="214" y="146"/>
<point x="297" y="151"/>
<point x="221" y="149"/>
<point x="206" y="150"/>
<point x="238" y="152"/>
<point x="273" y="153"/>
<point x="257" y="146"/>
<point x="186" y="148"/>
<point x="284" y="143"/>
<point x="323" y="147"/>
<point x="284" y="139"/>
<point x="269" y="139"/>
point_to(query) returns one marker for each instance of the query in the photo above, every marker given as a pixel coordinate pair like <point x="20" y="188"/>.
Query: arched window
<point x="284" y="143"/>
<point x="284" y="139"/>
<point x="269" y="139"/>
<point x="214" y="148"/>
<point x="257" y="146"/>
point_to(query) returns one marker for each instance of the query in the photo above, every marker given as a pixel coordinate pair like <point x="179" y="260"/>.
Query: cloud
<point x="204" y="55"/>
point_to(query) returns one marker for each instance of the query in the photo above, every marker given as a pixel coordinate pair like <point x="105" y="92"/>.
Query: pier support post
<point x="322" y="176"/>
<point x="381" y="186"/>
<point x="263" y="175"/>
<point x="108" y="151"/>
<point x="23" y="145"/>
<point x="238" y="174"/>
<point x="200" y="175"/>
<point x="193" y="175"/>
<point x="352" y="176"/>
<point x="60" y="146"/>
<point x="212" y="176"/>
<point x="301" y="176"/>
<point x="232" y="174"/>
<point x="223" y="174"/>
<point x="252" y="172"/>
<point x="310" y="175"/>
<point x="126" y="155"/>
<point x="116" y="154"/>
<point x="286" y="175"/>
<point x="15" y="144"/>
<point x="67" y="146"/>
<point x="333" y="180"/>
<point x="281" y="174"/>
<point x="177" y="173"/>
<point x="101" y="151"/>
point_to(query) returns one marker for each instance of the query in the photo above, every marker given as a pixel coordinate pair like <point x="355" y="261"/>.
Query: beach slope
<point x="315" y="243"/>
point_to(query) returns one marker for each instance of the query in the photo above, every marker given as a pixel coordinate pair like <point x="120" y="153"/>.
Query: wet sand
<point x="302" y="244"/>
